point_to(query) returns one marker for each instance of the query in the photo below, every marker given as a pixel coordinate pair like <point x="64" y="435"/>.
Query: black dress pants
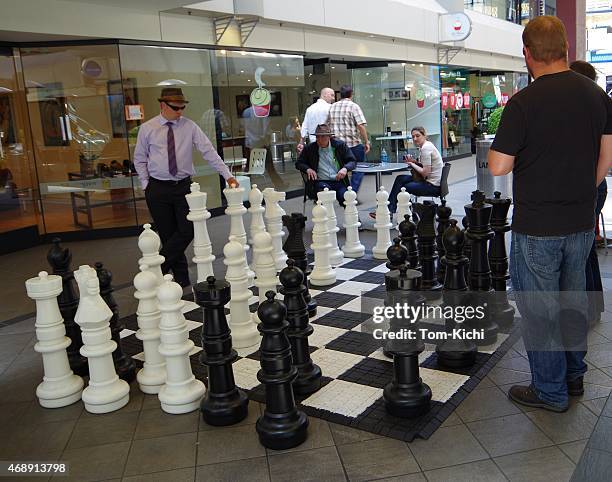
<point x="168" y="207"/>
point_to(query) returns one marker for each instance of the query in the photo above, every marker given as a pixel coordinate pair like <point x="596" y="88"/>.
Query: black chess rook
<point x="426" y="234"/>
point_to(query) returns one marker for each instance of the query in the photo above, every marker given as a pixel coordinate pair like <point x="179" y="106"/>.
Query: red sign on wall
<point x="459" y="100"/>
<point x="452" y="101"/>
<point x="444" y="100"/>
<point x="504" y="99"/>
<point x="466" y="100"/>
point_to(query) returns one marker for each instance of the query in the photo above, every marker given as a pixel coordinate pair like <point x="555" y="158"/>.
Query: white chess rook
<point x="152" y="376"/>
<point x="274" y="222"/>
<point x="243" y="326"/>
<point x="257" y="211"/>
<point x="106" y="392"/>
<point x="403" y="206"/>
<point x="182" y="393"/>
<point x="236" y="211"/>
<point x="383" y="224"/>
<point x="60" y="387"/>
<point x="149" y="244"/>
<point x="352" y="247"/>
<point x="202" y="247"/>
<point x="265" y="270"/>
<point x="328" y="198"/>
<point x="322" y="272"/>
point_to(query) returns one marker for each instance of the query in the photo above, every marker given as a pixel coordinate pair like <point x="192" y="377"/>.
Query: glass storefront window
<point x="457" y="102"/>
<point x="503" y="9"/>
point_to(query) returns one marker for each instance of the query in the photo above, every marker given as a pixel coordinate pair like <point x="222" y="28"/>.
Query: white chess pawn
<point x="353" y="247"/>
<point x="60" y="387"/>
<point x="149" y="244"/>
<point x="383" y="224"/>
<point x="328" y="198"/>
<point x="322" y="272"/>
<point x="264" y="266"/>
<point x="106" y="392"/>
<point x="202" y="247"/>
<point x="257" y="221"/>
<point x="236" y="211"/>
<point x="241" y="322"/>
<point x="274" y="223"/>
<point x="182" y="393"/>
<point x="403" y="206"/>
<point x="152" y="376"/>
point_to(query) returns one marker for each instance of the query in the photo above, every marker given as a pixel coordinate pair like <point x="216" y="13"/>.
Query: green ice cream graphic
<point x="260" y="97"/>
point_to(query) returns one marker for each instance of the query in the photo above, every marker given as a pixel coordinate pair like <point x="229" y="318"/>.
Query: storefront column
<point x="573" y="14"/>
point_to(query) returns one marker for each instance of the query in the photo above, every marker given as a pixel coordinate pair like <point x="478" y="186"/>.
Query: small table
<point x="378" y="169"/>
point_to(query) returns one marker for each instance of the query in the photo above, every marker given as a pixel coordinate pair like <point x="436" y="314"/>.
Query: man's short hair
<point x="346" y="91"/>
<point x="546" y="39"/>
<point x="584" y="68"/>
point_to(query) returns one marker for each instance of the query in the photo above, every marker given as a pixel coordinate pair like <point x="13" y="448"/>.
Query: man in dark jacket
<point x="327" y="162"/>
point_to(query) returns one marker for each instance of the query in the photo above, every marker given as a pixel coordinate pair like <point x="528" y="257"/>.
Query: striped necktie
<point x="172" y="168"/>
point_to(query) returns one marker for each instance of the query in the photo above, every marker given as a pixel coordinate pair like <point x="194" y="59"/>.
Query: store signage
<point x="489" y="100"/>
<point x="504" y="99"/>
<point x="420" y="97"/>
<point x="260" y="97"/>
<point x="444" y="101"/>
<point x="454" y="27"/>
<point x="452" y="101"/>
<point x="459" y="100"/>
<point x="134" y="112"/>
<point x="466" y="100"/>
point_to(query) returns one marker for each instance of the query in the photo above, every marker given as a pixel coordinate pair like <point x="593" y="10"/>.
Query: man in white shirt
<point x="315" y="115"/>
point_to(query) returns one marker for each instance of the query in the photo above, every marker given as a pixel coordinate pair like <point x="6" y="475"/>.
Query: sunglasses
<point x="175" y="108"/>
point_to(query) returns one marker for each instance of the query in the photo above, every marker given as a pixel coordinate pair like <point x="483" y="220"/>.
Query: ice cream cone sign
<point x="260" y="97"/>
<point x="420" y="98"/>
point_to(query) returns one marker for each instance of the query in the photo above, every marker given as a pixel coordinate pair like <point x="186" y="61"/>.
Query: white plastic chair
<point x="257" y="163"/>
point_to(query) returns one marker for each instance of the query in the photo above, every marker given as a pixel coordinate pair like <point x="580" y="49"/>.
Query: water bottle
<point x="384" y="157"/>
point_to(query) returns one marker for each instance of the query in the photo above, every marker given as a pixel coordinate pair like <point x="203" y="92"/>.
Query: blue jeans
<point x="357" y="177"/>
<point x="418" y="188"/>
<point x="337" y="186"/>
<point x="548" y="277"/>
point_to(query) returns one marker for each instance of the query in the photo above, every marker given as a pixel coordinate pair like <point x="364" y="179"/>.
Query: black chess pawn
<point x="427" y="248"/>
<point x="124" y="365"/>
<point x="224" y="403"/>
<point x="479" y="232"/>
<point x="296" y="250"/>
<point x="309" y="375"/>
<point x="443" y="217"/>
<point x="59" y="259"/>
<point x="408" y="236"/>
<point x="393" y="255"/>
<point x="282" y="425"/>
<point x="457" y="351"/>
<point x="498" y="259"/>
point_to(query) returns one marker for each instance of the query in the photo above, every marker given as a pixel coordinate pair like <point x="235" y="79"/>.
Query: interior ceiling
<point x="8" y="36"/>
<point x="156" y="5"/>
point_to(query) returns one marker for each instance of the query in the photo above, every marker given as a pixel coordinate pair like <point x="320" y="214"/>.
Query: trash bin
<point x="485" y="181"/>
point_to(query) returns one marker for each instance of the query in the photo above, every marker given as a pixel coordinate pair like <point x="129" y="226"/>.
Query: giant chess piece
<point x="467" y="247"/>
<point x="242" y="323"/>
<point x="60" y="258"/>
<point x="479" y="232"/>
<point x="455" y="351"/>
<point x="443" y="217"/>
<point x="274" y="224"/>
<point x="181" y="393"/>
<point x="396" y="260"/>
<point x="296" y="250"/>
<point x="322" y="273"/>
<point x="352" y="248"/>
<point x="427" y="249"/>
<point x="383" y="224"/>
<point x="407" y="230"/>
<point x="403" y="206"/>
<point x="152" y="376"/>
<point x="257" y="211"/>
<point x="202" y="247"/>
<point x="105" y="392"/>
<point x="224" y="404"/>
<point x="328" y="199"/>
<point x="265" y="270"/>
<point x="498" y="259"/>
<point x="236" y="211"/>
<point x="282" y="425"/>
<point x="149" y="243"/>
<point x="124" y="365"/>
<point x="309" y="375"/>
<point x="60" y="386"/>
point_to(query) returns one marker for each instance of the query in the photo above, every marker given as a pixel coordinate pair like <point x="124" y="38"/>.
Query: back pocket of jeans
<point x="545" y="253"/>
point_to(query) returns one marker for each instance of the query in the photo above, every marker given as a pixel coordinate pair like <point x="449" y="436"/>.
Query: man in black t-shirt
<point x="556" y="138"/>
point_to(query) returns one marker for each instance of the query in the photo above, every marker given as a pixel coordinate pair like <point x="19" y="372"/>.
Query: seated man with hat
<point x="327" y="162"/>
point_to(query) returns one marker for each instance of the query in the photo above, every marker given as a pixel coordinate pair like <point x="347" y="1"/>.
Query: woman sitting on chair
<point x="426" y="174"/>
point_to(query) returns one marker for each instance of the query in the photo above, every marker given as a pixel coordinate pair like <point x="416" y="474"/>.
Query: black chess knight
<point x="427" y="248"/>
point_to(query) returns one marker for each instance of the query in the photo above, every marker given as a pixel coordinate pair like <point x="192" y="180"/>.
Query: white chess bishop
<point x="149" y="244"/>
<point x="274" y="223"/>
<point x="352" y="247"/>
<point x="403" y="206"/>
<point x="383" y="224"/>
<point x="202" y="247"/>
<point x="328" y="199"/>
<point x="322" y="272"/>
<point x="60" y="386"/>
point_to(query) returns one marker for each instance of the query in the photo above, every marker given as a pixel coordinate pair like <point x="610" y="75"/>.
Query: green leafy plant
<point x="493" y="122"/>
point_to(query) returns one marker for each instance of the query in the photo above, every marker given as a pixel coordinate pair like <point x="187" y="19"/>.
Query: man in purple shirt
<point x="163" y="161"/>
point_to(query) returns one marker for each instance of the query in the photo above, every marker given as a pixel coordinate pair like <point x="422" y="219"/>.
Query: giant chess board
<point x="354" y="368"/>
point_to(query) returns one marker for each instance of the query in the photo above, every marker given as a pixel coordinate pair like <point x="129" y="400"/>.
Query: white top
<point x="430" y="156"/>
<point x="316" y="114"/>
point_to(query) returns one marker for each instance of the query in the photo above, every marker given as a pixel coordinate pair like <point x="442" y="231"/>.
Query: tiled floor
<point x="488" y="438"/>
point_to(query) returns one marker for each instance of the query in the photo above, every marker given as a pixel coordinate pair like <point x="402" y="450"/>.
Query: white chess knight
<point x="403" y="206"/>
<point x="152" y="376"/>
<point x="322" y="272"/>
<point x="265" y="270"/>
<point x="352" y="247"/>
<point x="60" y="386"/>
<point x="383" y="224"/>
<point x="241" y="321"/>
<point x="274" y="223"/>
<point x="149" y="244"/>
<point x="256" y="210"/>
<point x="105" y="392"/>
<point x="236" y="211"/>
<point x="181" y="393"/>
<point x="202" y="247"/>
<point x="328" y="199"/>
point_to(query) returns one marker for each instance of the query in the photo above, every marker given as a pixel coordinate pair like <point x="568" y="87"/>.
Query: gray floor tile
<point x="607" y="411"/>
<point x="482" y="471"/>
<point x="453" y="419"/>
<point x="323" y="464"/>
<point x="517" y="363"/>
<point x="507" y="435"/>
<point x="592" y="391"/>
<point x="600" y="355"/>
<point x="486" y="382"/>
<point x="13" y="345"/>
<point x="36" y="440"/>
<point x="503" y="376"/>
<point x="598" y="377"/>
<point x="383" y="457"/>
<point x="95" y="463"/>
<point x="11" y="415"/>
<point x="594" y="466"/>
<point x="601" y="438"/>
<point x="250" y="470"/>
<point x="157" y="423"/>
<point x="418" y="477"/>
<point x="486" y="403"/>
<point x="573" y="449"/>
<point x="178" y="475"/>
<point x="575" y="424"/>
<point x="541" y="465"/>
<point x="161" y="454"/>
<point x="447" y="446"/>
<point x="346" y="435"/>
<point x="35" y="414"/>
<point x="103" y="429"/>
<point x="319" y="435"/>
<point x="19" y="328"/>
<point x="596" y="405"/>
<point x="231" y="443"/>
